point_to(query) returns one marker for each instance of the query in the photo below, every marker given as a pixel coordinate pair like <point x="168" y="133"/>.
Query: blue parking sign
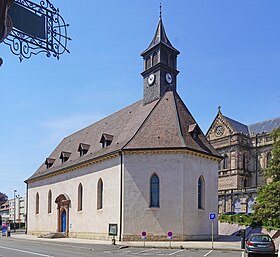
<point x="212" y="216"/>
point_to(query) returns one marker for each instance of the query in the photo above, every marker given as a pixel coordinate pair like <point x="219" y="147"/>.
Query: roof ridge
<point x="178" y="119"/>
<point x="139" y="128"/>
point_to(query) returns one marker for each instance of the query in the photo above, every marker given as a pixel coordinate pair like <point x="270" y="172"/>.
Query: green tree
<point x="3" y="198"/>
<point x="267" y="207"/>
<point x="273" y="170"/>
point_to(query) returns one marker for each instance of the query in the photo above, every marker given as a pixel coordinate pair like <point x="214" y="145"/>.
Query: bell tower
<point x="160" y="66"/>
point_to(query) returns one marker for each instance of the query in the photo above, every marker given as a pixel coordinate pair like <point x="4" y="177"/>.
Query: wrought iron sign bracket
<point x="37" y="28"/>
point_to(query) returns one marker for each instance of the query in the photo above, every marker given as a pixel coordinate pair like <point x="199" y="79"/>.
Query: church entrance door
<point x="63" y="205"/>
<point x="63" y="221"/>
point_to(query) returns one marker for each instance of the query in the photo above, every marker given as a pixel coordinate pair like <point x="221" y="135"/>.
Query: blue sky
<point x="230" y="56"/>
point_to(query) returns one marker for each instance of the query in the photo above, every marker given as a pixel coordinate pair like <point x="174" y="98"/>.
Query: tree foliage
<point x="3" y="198"/>
<point x="267" y="207"/>
<point x="273" y="170"/>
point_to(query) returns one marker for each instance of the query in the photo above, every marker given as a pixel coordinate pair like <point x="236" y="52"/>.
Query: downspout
<point x="256" y="161"/>
<point x="121" y="196"/>
<point x="26" y="210"/>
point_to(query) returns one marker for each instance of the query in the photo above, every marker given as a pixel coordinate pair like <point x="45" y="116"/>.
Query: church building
<point x="147" y="167"/>
<point x="246" y="151"/>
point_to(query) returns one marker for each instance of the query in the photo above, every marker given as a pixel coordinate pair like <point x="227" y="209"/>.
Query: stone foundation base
<point x="129" y="237"/>
<point x="164" y="237"/>
<point x="88" y="235"/>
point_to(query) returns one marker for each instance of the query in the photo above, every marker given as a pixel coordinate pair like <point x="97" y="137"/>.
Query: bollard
<point x="113" y="241"/>
<point x="242" y="235"/>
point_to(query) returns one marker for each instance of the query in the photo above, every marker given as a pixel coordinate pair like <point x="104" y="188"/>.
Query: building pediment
<point x="220" y="128"/>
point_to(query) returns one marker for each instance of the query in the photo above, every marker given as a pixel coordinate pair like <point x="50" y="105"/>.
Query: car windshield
<point x="260" y="238"/>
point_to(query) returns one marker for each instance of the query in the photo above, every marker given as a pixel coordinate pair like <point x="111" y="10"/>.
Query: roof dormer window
<point x="106" y="140"/>
<point x="194" y="131"/>
<point x="49" y="162"/>
<point x="64" y="156"/>
<point x="83" y="149"/>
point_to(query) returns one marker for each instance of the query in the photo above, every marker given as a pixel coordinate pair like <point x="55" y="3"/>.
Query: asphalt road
<point x="10" y="247"/>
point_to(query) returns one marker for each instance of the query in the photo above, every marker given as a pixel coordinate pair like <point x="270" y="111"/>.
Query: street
<point x="11" y="247"/>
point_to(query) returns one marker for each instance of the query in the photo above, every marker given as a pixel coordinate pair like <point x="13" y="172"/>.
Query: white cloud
<point x="58" y="128"/>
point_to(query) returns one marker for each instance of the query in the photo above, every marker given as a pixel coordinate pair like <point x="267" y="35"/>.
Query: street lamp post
<point x="15" y="210"/>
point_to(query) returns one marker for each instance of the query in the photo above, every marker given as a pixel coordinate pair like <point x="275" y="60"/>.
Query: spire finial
<point x="219" y="108"/>
<point x="160" y="10"/>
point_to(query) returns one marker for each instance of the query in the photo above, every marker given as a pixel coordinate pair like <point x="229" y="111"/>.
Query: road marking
<point x="22" y="251"/>
<point x="144" y="251"/>
<point x="176" y="252"/>
<point x="208" y="253"/>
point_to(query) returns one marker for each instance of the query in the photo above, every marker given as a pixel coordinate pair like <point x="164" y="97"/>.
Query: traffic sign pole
<point x="212" y="234"/>
<point x="144" y="236"/>
<point x="212" y="217"/>
<point x="169" y="236"/>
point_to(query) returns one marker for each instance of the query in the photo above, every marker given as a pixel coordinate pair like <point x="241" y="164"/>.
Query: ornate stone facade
<point x="246" y="150"/>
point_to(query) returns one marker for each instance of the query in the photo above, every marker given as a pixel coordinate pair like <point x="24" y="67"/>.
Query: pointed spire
<point x="219" y="109"/>
<point x="160" y="35"/>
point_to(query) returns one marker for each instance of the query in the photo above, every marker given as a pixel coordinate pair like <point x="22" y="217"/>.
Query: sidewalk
<point x="221" y="244"/>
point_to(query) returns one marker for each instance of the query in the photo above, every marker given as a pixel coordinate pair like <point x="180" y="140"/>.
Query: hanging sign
<point x="36" y="28"/>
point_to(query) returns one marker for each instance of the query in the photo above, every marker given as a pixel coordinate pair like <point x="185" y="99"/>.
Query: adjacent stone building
<point x="246" y="150"/>
<point x="147" y="167"/>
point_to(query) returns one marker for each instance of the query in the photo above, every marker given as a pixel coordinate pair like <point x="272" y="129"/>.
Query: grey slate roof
<point x="237" y="126"/>
<point x="160" y="37"/>
<point x="162" y="124"/>
<point x="264" y="126"/>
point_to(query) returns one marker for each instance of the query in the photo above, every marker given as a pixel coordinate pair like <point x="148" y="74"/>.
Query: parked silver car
<point x="259" y="245"/>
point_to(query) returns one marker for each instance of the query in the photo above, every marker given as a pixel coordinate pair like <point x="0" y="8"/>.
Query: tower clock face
<point x="168" y="78"/>
<point x="151" y="79"/>
<point x="219" y="130"/>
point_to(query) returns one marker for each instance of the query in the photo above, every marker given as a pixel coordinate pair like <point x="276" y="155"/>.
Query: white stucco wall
<point x="90" y="222"/>
<point x="178" y="212"/>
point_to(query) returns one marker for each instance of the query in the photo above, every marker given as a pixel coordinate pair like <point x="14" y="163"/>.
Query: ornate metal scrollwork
<point x="55" y="41"/>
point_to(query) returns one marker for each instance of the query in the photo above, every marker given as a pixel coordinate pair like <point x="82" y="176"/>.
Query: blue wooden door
<point x="63" y="221"/>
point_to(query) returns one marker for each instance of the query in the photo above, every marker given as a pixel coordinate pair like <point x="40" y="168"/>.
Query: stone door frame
<point x="63" y="203"/>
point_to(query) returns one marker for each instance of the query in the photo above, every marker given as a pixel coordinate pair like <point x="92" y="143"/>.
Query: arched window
<point x="250" y="203"/>
<point x="164" y="58"/>
<point x="154" y="191"/>
<point x="148" y="63"/>
<point x="245" y="183"/>
<point x="225" y="163"/>
<point x="80" y="197"/>
<point x="155" y="58"/>
<point x="171" y="61"/>
<point x="37" y="203"/>
<point x="244" y="162"/>
<point x="50" y="201"/>
<point x="200" y="192"/>
<point x="100" y="194"/>
<point x="237" y="206"/>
